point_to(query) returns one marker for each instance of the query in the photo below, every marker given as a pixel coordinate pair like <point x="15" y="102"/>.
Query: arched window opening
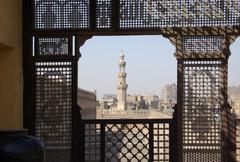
<point x="147" y="69"/>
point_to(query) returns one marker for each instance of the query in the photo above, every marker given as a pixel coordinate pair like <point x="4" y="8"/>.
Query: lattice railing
<point x="126" y="140"/>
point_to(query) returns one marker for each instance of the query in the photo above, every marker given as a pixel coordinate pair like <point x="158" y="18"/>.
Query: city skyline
<point x="151" y="64"/>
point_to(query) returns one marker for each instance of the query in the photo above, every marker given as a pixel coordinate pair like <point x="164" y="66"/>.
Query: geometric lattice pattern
<point x="77" y="14"/>
<point x="104" y="14"/>
<point x="202" y="103"/>
<point x="128" y="141"/>
<point x="53" y="108"/>
<point x="201" y="91"/>
<point x="92" y="142"/>
<point x="57" y="14"/>
<point x="202" y="44"/>
<point x="199" y="156"/>
<point x="166" y="13"/>
<point x="161" y="142"/>
<point x="52" y="46"/>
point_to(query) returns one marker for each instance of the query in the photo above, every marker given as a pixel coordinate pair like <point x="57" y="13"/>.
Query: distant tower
<point x="122" y="85"/>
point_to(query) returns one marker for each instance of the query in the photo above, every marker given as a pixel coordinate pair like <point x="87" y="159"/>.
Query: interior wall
<point x="11" y="116"/>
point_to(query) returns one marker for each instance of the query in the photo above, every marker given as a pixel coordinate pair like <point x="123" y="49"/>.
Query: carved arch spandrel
<point x="80" y="40"/>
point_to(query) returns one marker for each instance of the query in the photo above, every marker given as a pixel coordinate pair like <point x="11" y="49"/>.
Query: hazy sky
<point x="150" y="64"/>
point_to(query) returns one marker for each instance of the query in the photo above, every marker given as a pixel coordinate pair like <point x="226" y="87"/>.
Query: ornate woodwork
<point x="202" y="32"/>
<point x="127" y="140"/>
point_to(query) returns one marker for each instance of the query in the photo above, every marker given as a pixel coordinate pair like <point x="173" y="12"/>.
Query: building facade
<point x="234" y="98"/>
<point x="139" y="102"/>
<point x="108" y="101"/>
<point x="169" y="94"/>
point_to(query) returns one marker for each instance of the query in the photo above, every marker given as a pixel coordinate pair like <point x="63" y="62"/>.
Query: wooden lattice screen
<point x="202" y="31"/>
<point x="54" y="78"/>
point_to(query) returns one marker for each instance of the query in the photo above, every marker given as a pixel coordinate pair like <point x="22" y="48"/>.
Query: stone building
<point x="152" y="101"/>
<point x="137" y="102"/>
<point x="87" y="101"/>
<point x="108" y="101"/>
<point x="169" y="94"/>
<point x="168" y="98"/>
<point x="234" y="98"/>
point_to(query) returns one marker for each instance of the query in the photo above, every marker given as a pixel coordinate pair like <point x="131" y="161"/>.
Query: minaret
<point x="122" y="85"/>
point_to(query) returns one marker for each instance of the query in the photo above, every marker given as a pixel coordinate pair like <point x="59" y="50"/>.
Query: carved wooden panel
<point x="203" y="83"/>
<point x="53" y="108"/>
<point x="132" y="14"/>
